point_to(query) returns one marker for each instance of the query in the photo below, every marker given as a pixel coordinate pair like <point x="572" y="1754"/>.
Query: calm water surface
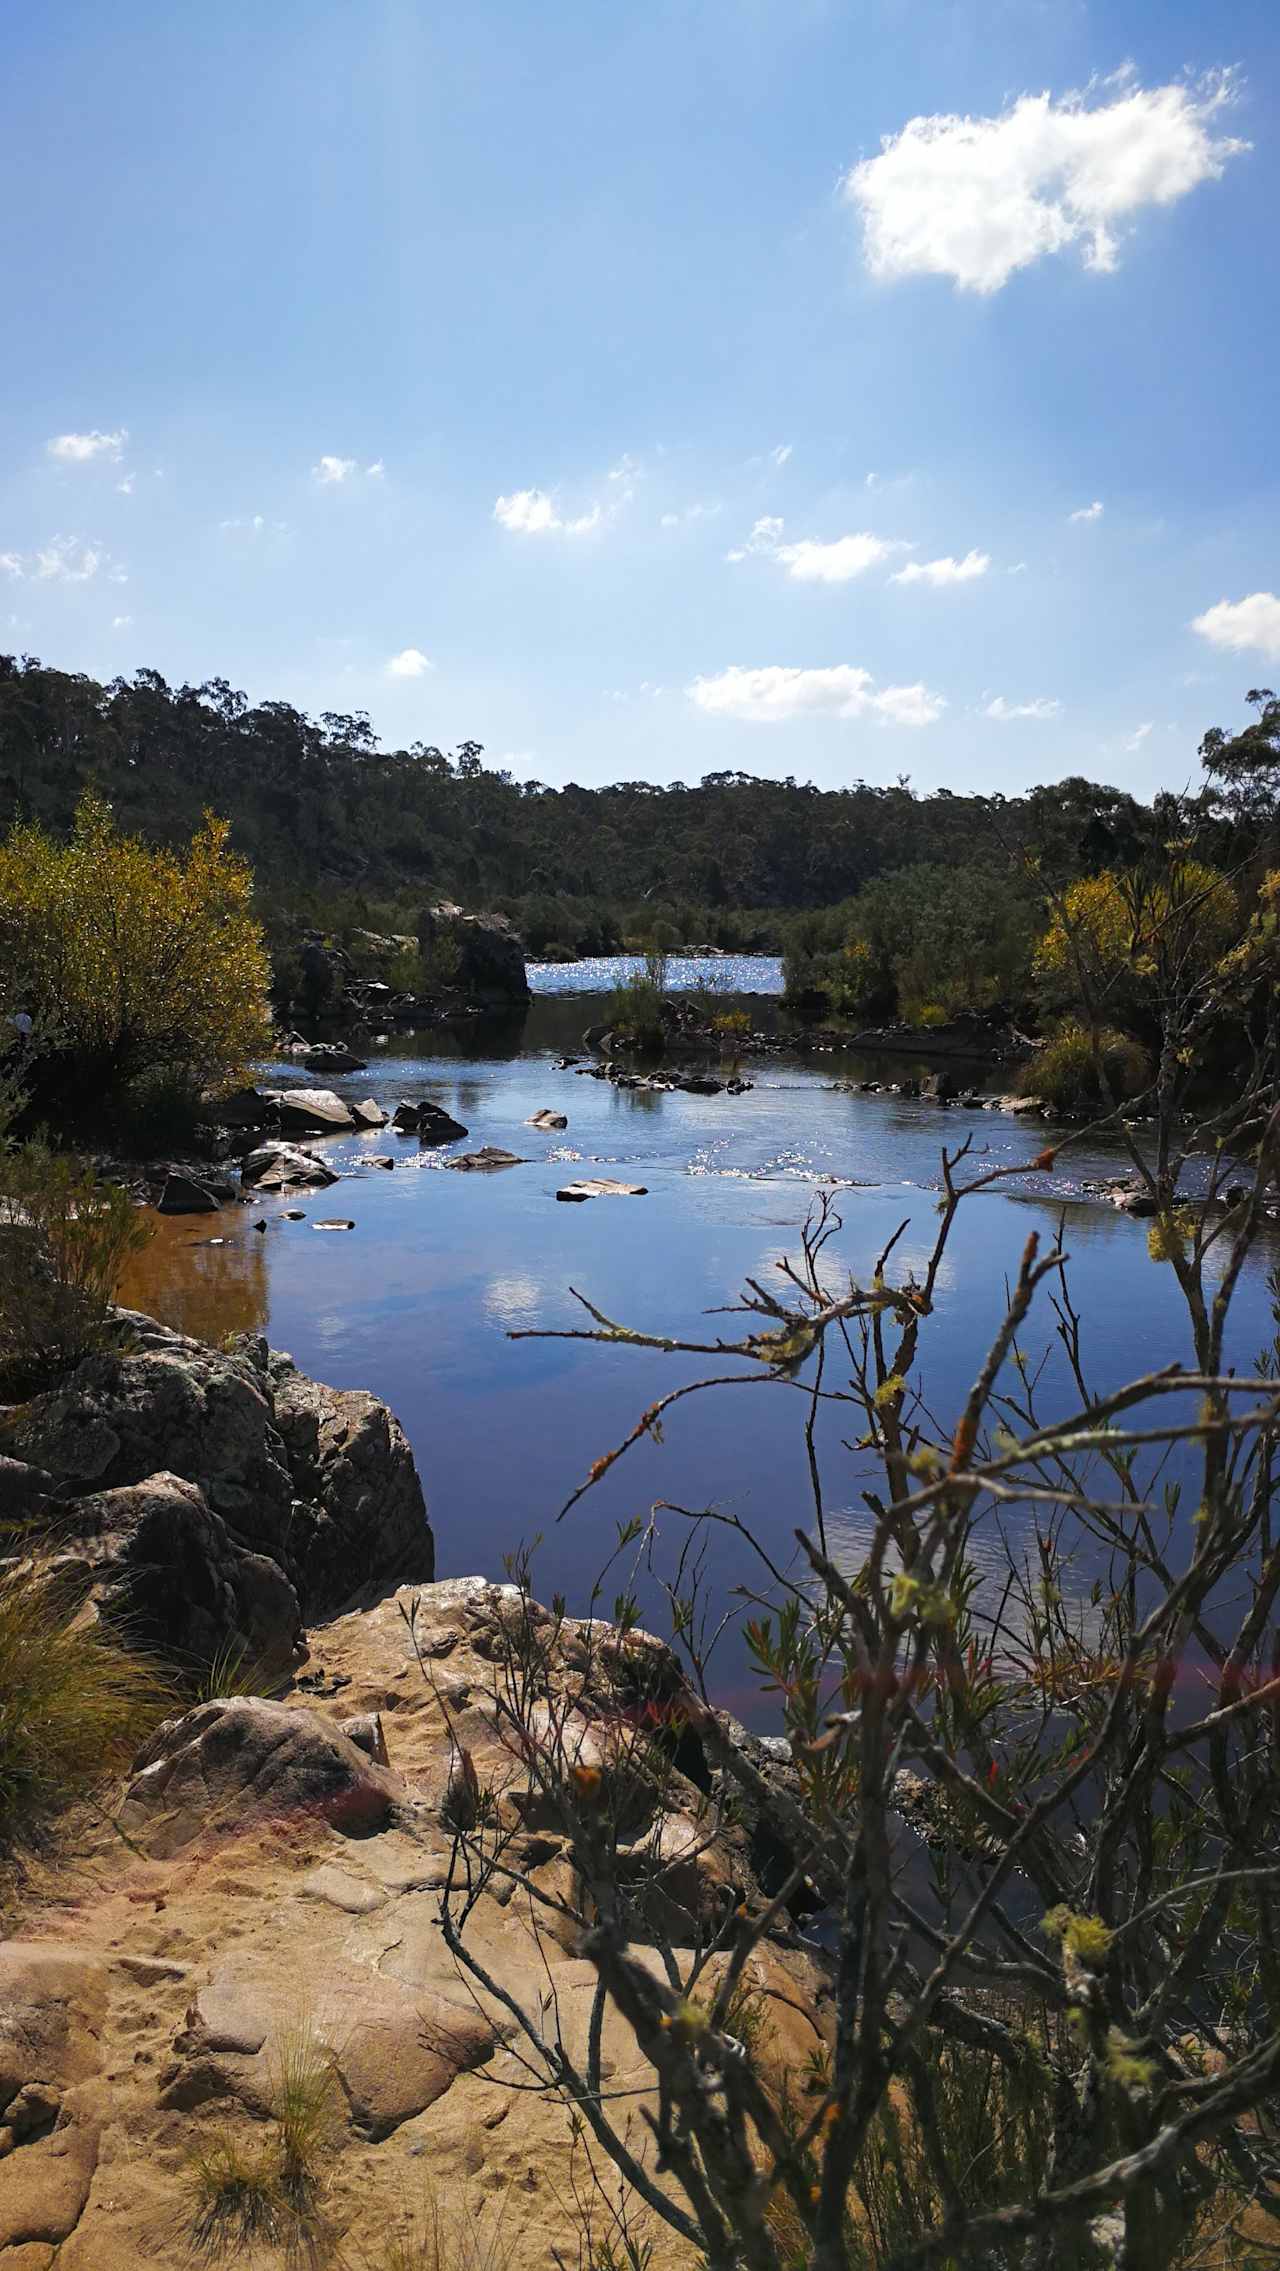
<point x="419" y="1300"/>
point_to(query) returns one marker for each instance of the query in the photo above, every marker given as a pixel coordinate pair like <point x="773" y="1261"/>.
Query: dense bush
<point x="1075" y="1068"/>
<point x="134" y="960"/>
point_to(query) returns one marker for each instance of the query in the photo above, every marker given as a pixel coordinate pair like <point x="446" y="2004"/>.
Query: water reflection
<point x="205" y="1275"/>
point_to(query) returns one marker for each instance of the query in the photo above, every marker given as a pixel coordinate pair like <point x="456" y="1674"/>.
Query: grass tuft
<point x="75" y="1702"/>
<point x="235" y="2198"/>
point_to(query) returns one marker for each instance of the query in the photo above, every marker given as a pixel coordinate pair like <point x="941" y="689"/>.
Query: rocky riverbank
<point x="270" y="1874"/>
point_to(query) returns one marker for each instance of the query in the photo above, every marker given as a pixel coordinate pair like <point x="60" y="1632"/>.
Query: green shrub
<point x="1068" y="1071"/>
<point x="634" y="1016"/>
<point x="65" y="1235"/>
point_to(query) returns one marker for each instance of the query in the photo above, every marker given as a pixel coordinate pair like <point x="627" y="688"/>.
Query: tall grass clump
<point x="74" y="1703"/>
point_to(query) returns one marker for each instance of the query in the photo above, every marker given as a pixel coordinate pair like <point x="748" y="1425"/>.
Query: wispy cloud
<point x="977" y="199"/>
<point x="1243" y="626"/>
<point x="11" y="564"/>
<point x="251" y="525"/>
<point x="69" y="560"/>
<point x="1008" y="713"/>
<point x="782" y="452"/>
<point x="699" y="511"/>
<point x="121" y="622"/>
<point x="80" y="449"/>
<point x="776" y="694"/>
<point x="942" y="572"/>
<point x="531" y="512"/>
<point x="409" y="663"/>
<point x="1139" y="735"/>
<point x="1094" y="511"/>
<point x="376" y="470"/>
<point x="330" y="472"/>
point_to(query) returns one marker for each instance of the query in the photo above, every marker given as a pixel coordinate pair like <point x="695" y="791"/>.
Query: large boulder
<point x="320" y="1481"/>
<point x="310" y="1111"/>
<point x="240" y="1761"/>
<point x="487" y="955"/>
<point x="165" y="1568"/>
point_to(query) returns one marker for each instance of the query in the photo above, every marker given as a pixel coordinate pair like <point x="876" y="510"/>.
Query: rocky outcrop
<point x="486" y="953"/>
<point x="163" y="1566"/>
<point x="219" y="1495"/>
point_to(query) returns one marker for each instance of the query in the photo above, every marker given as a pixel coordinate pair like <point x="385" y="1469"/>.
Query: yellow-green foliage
<point x="1069" y="1070"/>
<point x="74" y="1703"/>
<point x="1086" y="1938"/>
<point x="1112" y="923"/>
<point x="132" y="957"/>
<point x="65" y="1235"/>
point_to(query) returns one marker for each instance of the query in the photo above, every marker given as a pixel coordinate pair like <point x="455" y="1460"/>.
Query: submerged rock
<point x="486" y="1161"/>
<point x="548" y="1119"/>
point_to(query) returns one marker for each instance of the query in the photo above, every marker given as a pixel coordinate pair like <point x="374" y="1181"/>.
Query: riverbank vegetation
<point x="343" y="834"/>
<point x="138" y="969"/>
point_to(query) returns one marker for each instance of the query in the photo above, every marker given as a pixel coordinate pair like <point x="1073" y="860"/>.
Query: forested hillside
<point x="323" y="812"/>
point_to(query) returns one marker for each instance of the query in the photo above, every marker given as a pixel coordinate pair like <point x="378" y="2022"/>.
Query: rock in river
<point x="486" y="1161"/>
<point x="277" y="1166"/>
<point x="311" y="1110"/>
<point x="601" y="1187"/>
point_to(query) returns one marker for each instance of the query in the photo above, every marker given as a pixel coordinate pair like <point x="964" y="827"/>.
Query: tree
<point x="1244" y="767"/>
<point x="132" y="960"/>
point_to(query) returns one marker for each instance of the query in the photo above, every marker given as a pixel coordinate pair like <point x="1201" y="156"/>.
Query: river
<point x="418" y="1301"/>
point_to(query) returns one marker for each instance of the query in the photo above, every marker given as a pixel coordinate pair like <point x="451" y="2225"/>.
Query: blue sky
<point x="839" y="390"/>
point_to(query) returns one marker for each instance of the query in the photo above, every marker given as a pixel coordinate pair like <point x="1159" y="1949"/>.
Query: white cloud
<point x="809" y="562"/>
<point x="531" y="512"/>
<point x="69" y="560"/>
<point x="776" y="694"/>
<point x="78" y="449"/>
<point x="376" y="470"/>
<point x="125" y="487"/>
<point x="1139" y="735"/>
<point x="626" y="469"/>
<point x="1019" y="568"/>
<point x="782" y="452"/>
<point x="409" y="663"/>
<point x="1006" y="712"/>
<point x="1094" y="511"/>
<point x="1243" y="624"/>
<point x="976" y="199"/>
<point x="332" y="470"/>
<point x="121" y="622"/>
<point x="945" y="571"/>
<point x="11" y="563"/>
